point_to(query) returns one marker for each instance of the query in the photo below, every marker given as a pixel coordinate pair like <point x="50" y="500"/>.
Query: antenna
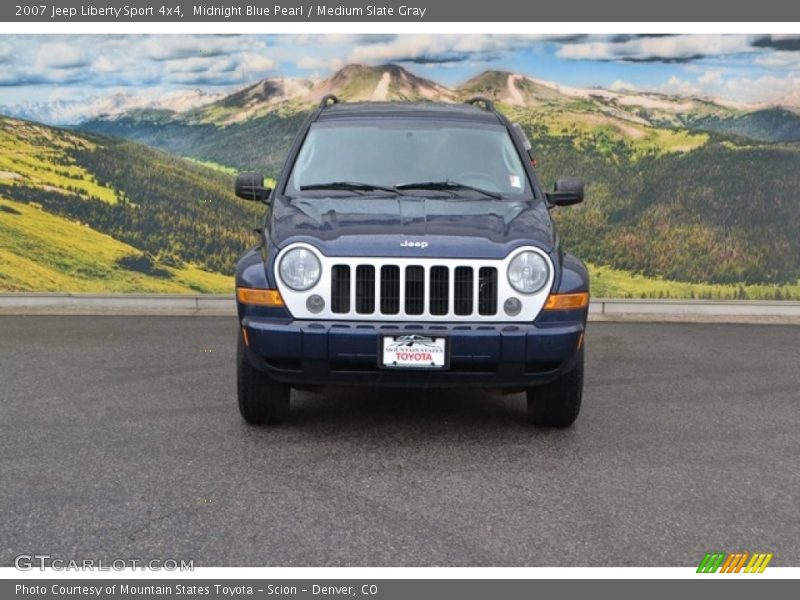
<point x="477" y="100"/>
<point x="328" y="100"/>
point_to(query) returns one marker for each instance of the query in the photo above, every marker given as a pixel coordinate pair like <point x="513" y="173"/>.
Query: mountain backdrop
<point x="685" y="196"/>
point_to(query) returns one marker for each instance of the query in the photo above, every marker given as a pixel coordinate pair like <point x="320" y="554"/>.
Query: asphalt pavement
<point x="120" y="438"/>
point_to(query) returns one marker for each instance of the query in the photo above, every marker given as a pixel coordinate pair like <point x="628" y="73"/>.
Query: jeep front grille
<point x="414" y="290"/>
<point x="418" y="289"/>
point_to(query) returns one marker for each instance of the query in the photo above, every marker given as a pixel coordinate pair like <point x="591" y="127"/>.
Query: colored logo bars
<point x="734" y="563"/>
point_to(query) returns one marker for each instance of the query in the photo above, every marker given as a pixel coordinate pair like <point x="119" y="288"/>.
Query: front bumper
<point x="319" y="353"/>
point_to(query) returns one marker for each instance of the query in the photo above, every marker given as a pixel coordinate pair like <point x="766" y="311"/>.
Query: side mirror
<point x="250" y="186"/>
<point x="566" y="192"/>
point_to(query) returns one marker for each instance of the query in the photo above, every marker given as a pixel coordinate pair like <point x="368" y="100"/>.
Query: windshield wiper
<point x="349" y="186"/>
<point x="446" y="186"/>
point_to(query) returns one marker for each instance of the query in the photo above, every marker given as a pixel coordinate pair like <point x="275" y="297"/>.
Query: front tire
<point x="261" y="399"/>
<point x="557" y="404"/>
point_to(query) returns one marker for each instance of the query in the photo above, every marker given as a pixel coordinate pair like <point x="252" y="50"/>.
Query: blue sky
<point x="741" y="68"/>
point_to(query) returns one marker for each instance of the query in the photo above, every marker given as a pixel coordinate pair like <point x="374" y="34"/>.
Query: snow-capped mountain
<point x="72" y="112"/>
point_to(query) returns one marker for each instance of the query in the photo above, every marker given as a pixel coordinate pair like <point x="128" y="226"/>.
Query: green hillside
<point x="768" y="125"/>
<point x="608" y="282"/>
<point x="40" y="251"/>
<point x="80" y="212"/>
<point x="711" y="211"/>
<point x="259" y="144"/>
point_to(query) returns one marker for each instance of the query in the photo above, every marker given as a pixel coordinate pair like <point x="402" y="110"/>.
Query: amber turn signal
<point x="259" y="297"/>
<point x="567" y="301"/>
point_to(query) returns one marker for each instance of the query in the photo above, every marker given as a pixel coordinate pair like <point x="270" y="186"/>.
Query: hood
<point x="409" y="225"/>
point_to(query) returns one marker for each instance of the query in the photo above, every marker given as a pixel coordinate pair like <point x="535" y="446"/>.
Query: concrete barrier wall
<point x="697" y="311"/>
<point x="117" y="304"/>
<point x="601" y="309"/>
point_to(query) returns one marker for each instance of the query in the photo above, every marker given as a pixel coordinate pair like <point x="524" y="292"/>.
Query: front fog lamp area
<point x="315" y="303"/>
<point x="528" y="272"/>
<point x="300" y="269"/>
<point x="512" y="306"/>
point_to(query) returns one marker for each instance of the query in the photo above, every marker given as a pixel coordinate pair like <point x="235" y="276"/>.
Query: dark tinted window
<point x="397" y="151"/>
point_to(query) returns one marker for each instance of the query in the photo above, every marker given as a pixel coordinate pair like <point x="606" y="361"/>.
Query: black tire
<point x="557" y="404"/>
<point x="261" y="399"/>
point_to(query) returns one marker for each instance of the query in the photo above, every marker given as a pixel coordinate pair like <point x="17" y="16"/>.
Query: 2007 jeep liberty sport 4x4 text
<point x="410" y="245"/>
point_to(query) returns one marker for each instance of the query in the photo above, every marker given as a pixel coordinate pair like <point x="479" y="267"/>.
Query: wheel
<point x="557" y="404"/>
<point x="261" y="400"/>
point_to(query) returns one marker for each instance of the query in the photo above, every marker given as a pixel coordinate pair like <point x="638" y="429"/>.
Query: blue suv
<point x="410" y="245"/>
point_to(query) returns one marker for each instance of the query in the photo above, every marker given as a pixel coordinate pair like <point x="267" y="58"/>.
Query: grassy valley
<point x="40" y="251"/>
<point x="712" y="211"/>
<point x="81" y="212"/>
<point x="608" y="282"/>
<point x="259" y="144"/>
<point x="768" y="125"/>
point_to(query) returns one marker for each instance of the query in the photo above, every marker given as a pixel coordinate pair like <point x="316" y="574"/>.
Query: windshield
<point x="420" y="156"/>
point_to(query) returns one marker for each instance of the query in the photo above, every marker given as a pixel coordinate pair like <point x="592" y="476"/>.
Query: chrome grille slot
<point x="390" y="289"/>
<point x="415" y="290"/>
<point x="487" y="291"/>
<point x="462" y="291"/>
<point x="340" y="289"/>
<point x="365" y="289"/>
<point x="439" y="291"/>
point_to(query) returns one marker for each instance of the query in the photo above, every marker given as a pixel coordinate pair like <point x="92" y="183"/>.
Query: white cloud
<point x="5" y="52"/>
<point x="768" y="88"/>
<point x="224" y="70"/>
<point x="103" y="64"/>
<point x="404" y="48"/>
<point x="680" y="87"/>
<point x="257" y="62"/>
<point x="779" y="60"/>
<point x="784" y="37"/>
<point x="60" y="56"/>
<point x="623" y="86"/>
<point x="337" y="39"/>
<point x="315" y="63"/>
<point x="164" y="48"/>
<point x="711" y="76"/>
<point x="667" y="48"/>
<point x="436" y="48"/>
<point x="201" y="64"/>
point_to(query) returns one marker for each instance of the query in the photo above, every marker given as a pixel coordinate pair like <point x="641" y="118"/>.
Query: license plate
<point x="414" y="351"/>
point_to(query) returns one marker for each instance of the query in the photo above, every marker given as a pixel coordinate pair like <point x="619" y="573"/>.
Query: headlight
<point x="528" y="272"/>
<point x="300" y="269"/>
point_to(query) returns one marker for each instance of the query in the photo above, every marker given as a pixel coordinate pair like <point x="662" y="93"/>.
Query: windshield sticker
<point x="515" y="181"/>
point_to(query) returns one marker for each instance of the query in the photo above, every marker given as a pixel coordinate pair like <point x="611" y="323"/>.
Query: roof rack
<point x="478" y="100"/>
<point x="328" y="100"/>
